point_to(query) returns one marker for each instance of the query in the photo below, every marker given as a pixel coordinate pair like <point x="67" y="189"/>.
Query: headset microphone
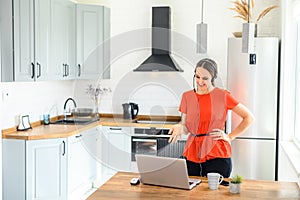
<point x="194" y="83"/>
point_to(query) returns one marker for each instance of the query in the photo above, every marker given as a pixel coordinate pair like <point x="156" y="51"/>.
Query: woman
<point x="204" y="112"/>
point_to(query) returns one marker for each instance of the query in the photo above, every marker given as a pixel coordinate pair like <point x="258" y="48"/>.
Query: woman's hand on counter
<point x="175" y="132"/>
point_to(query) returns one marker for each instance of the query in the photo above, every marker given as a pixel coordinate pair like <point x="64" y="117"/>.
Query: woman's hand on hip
<point x="219" y="134"/>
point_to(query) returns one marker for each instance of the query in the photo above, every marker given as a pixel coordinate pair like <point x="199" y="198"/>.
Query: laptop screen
<point x="163" y="171"/>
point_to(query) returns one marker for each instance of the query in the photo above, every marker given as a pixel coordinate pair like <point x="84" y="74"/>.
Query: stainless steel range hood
<point x="160" y="59"/>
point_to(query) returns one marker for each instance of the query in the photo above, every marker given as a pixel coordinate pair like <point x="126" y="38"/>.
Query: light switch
<point x="252" y="59"/>
<point x="5" y="95"/>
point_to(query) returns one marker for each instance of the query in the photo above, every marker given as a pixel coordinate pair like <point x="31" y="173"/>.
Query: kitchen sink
<point x="70" y="121"/>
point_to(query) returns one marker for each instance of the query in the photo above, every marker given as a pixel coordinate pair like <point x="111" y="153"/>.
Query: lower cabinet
<point x="46" y="169"/>
<point x="82" y="163"/>
<point x="116" y="150"/>
<point x="34" y="169"/>
<point x="60" y="169"/>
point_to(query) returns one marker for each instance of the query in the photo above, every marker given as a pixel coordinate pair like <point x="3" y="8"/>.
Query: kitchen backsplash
<point x="34" y="99"/>
<point x="155" y="93"/>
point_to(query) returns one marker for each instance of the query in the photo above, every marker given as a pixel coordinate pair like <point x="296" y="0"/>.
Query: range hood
<point x="160" y="59"/>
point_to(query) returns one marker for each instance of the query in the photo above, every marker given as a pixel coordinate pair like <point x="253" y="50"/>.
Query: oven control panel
<point x="151" y="131"/>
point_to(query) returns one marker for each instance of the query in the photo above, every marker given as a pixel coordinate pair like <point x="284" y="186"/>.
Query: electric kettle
<point x="130" y="110"/>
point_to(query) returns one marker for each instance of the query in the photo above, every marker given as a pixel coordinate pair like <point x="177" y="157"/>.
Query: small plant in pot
<point x="235" y="184"/>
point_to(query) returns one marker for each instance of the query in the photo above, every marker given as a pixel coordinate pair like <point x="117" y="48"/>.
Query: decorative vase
<point x="234" y="188"/>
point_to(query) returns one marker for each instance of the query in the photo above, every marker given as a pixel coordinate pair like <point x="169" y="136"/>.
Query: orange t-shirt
<point x="210" y="110"/>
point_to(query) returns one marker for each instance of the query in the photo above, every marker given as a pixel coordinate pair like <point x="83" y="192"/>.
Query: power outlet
<point x="252" y="59"/>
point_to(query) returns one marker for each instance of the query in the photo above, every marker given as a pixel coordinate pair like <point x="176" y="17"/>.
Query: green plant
<point x="236" y="179"/>
<point x="241" y="7"/>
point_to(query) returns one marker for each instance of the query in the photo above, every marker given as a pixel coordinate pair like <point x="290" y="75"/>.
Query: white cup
<point x="214" y="179"/>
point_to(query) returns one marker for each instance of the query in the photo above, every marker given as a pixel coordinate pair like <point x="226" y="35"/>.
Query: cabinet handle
<point x="39" y="70"/>
<point x="116" y="129"/>
<point x="32" y="72"/>
<point x="64" y="70"/>
<point x="144" y="140"/>
<point x="67" y="70"/>
<point x="79" y="70"/>
<point x="64" y="148"/>
<point x="78" y="136"/>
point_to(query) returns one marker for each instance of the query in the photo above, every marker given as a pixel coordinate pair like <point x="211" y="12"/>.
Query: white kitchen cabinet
<point x="93" y="49"/>
<point x="82" y="162"/>
<point x="62" y="168"/>
<point x="18" y="45"/>
<point x="42" y="40"/>
<point x="34" y="169"/>
<point x="32" y="48"/>
<point x="31" y="25"/>
<point x="116" y="150"/>
<point x="23" y="38"/>
<point x="46" y="169"/>
<point x="63" y="38"/>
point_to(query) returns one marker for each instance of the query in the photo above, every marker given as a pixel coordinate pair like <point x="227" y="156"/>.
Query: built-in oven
<point x="143" y="145"/>
<point x="154" y="141"/>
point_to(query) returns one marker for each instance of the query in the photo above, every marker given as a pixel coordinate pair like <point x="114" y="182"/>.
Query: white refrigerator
<point x="253" y="80"/>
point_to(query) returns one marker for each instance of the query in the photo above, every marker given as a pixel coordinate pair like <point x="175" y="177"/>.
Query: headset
<point x="194" y="83"/>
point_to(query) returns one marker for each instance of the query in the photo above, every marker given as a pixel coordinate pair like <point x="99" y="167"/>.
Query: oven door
<point x="143" y="145"/>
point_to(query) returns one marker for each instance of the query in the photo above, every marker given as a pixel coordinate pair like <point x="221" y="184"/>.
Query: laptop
<point x="164" y="171"/>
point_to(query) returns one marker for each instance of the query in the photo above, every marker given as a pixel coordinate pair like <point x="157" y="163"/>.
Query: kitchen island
<point x="118" y="187"/>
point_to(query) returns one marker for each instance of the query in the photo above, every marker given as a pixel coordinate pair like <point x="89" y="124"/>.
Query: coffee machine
<point x="130" y="110"/>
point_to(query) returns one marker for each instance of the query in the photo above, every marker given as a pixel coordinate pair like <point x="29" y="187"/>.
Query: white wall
<point x="156" y="93"/>
<point x="33" y="99"/>
<point x="129" y="17"/>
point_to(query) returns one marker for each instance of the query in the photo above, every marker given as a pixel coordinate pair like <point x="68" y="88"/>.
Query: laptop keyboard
<point x="192" y="181"/>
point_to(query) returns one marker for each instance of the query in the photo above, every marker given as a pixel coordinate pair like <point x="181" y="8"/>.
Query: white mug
<point x="214" y="179"/>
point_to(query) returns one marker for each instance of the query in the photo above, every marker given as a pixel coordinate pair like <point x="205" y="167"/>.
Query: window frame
<point x="296" y="134"/>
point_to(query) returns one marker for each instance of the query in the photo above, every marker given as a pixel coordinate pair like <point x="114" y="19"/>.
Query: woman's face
<point x="203" y="80"/>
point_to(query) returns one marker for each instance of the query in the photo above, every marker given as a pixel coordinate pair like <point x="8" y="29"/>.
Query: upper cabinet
<point x="63" y="40"/>
<point x="27" y="41"/>
<point x="40" y="40"/>
<point x="35" y="39"/>
<point x="93" y="49"/>
<point x="22" y="38"/>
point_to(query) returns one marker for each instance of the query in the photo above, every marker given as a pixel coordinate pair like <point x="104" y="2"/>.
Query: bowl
<point x="83" y="112"/>
<point x="237" y="34"/>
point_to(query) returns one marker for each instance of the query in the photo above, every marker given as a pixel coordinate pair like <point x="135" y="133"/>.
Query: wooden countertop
<point x="40" y="131"/>
<point x="118" y="187"/>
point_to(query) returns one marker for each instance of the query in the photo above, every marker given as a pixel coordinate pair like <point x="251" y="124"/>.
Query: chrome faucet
<point x="65" y="107"/>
